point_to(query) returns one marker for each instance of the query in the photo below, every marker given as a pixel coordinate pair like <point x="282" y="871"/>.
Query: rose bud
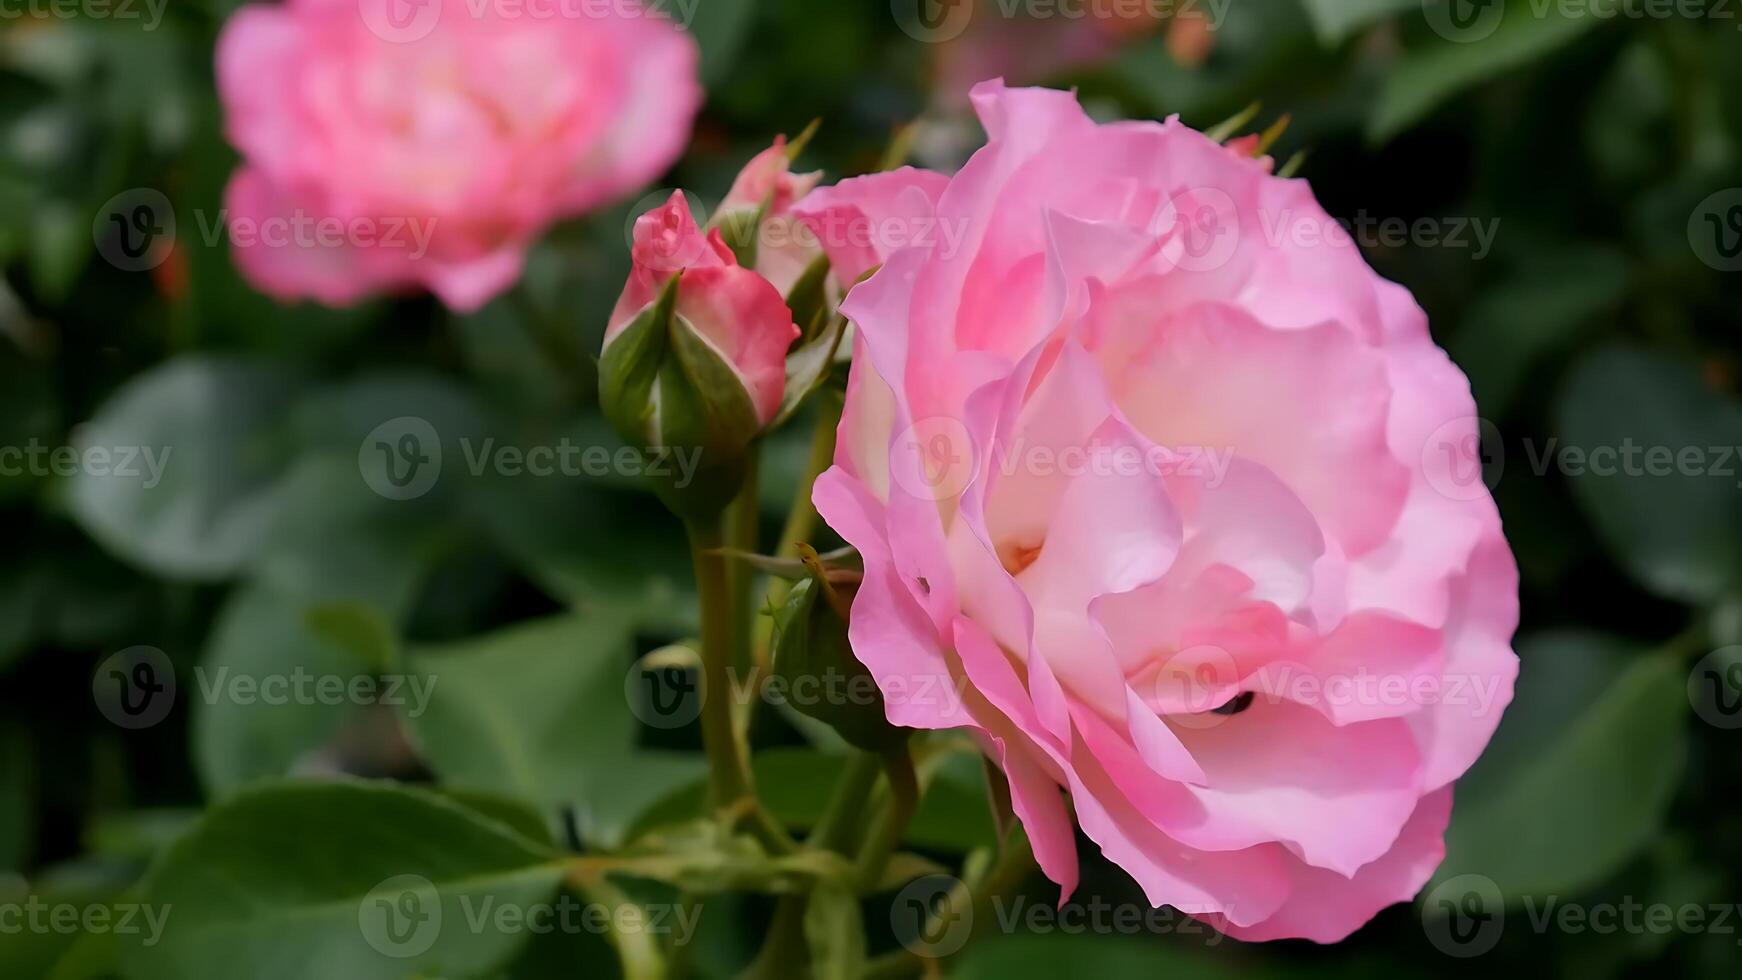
<point x="756" y="216"/>
<point x="812" y="659"/>
<point x="694" y="359"/>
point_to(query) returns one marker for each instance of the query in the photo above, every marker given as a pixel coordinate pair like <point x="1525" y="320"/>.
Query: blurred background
<point x="1559" y="182"/>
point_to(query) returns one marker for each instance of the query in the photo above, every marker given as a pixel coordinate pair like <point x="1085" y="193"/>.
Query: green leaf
<point x="1334" y="20"/>
<point x="366" y="881"/>
<point x="593" y="548"/>
<point x="358" y="629"/>
<point x="210" y="424"/>
<point x="538" y="712"/>
<point x="31" y="953"/>
<point x="1427" y="76"/>
<point x="1591" y="793"/>
<point x="1674" y="529"/>
<point x="1510" y="327"/>
<point x="262" y="637"/>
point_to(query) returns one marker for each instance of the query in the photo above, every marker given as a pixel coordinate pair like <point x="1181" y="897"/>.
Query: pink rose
<point x="1160" y="482"/>
<point x="736" y="311"/>
<point x="390" y="144"/>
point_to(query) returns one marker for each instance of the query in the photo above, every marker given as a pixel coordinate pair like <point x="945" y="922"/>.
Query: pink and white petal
<point x="1336" y="796"/>
<point x="1310" y="404"/>
<point x="1244" y="886"/>
<point x="1480" y="666"/>
<point x="1326" y="907"/>
<point x="1373" y="665"/>
<point x="748" y="322"/>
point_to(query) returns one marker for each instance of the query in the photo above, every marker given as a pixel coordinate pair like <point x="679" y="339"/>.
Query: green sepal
<point x="813" y="657"/>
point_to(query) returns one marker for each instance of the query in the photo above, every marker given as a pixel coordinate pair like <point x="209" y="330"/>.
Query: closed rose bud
<point x="695" y="355"/>
<point x="812" y="658"/>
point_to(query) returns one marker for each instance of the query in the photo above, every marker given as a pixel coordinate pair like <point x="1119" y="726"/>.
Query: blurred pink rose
<point x="1156" y="473"/>
<point x="740" y="314"/>
<point x="390" y="145"/>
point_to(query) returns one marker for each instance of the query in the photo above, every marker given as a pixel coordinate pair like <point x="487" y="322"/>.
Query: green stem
<point x="743" y="532"/>
<point x="838" y="830"/>
<point x="637" y="949"/>
<point x="729" y="779"/>
<point x="891" y="825"/>
<point x="783" y="951"/>
<point x="1015" y="863"/>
